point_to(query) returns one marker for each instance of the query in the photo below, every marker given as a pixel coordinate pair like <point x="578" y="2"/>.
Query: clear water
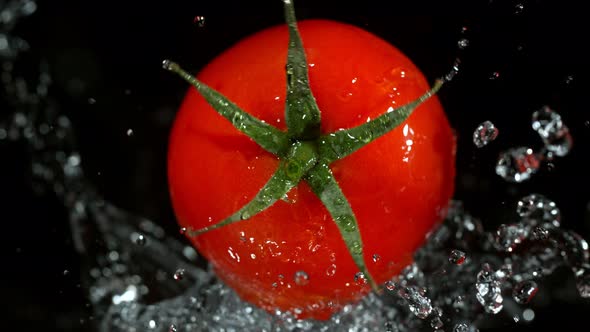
<point x="142" y="279"/>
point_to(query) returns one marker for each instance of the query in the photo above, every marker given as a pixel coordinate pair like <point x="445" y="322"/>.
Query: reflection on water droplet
<point x="179" y="274"/>
<point x="360" y="279"/>
<point x="457" y="257"/>
<point x="199" y="21"/>
<point x="152" y="324"/>
<point x="419" y="304"/>
<point x="463" y="43"/>
<point x="517" y="164"/>
<point x="528" y="315"/>
<point x="436" y="323"/>
<point x="376" y="258"/>
<point x="484" y="134"/>
<point x="539" y="210"/>
<point x="556" y="136"/>
<point x="140" y="239"/>
<point x="489" y="293"/>
<point x="390" y="285"/>
<point x="524" y="291"/>
<point x="301" y="278"/>
<point x="509" y="237"/>
<point x="331" y="271"/>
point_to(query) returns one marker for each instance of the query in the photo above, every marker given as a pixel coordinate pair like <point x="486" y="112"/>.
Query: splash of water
<point x="142" y="279"/>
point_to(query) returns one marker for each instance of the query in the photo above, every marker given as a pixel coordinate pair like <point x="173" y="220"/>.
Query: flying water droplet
<point x="509" y="237"/>
<point x="461" y="327"/>
<point x="463" y="43"/>
<point x="494" y="76"/>
<point x="540" y="233"/>
<point x="199" y="21"/>
<point x="485" y="133"/>
<point x="179" y="274"/>
<point x="539" y="210"/>
<point x="517" y="164"/>
<point x="419" y="304"/>
<point x="436" y="323"/>
<point x="301" y="278"/>
<point x="457" y="257"/>
<point x="524" y="291"/>
<point x="519" y="8"/>
<point x="360" y="279"/>
<point x="390" y="285"/>
<point x="140" y="239"/>
<point x="129" y="132"/>
<point x="555" y="135"/>
<point x="454" y="70"/>
<point x="172" y="328"/>
<point x="489" y="293"/>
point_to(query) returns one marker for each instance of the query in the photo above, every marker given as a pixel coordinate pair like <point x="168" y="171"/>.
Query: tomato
<point x="291" y="257"/>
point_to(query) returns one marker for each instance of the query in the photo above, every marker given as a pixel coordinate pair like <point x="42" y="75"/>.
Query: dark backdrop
<point x="105" y="60"/>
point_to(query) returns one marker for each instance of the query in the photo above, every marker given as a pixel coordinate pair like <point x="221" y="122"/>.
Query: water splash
<point x="131" y="258"/>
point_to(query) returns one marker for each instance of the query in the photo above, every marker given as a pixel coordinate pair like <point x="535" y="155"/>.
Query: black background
<point x="105" y="60"/>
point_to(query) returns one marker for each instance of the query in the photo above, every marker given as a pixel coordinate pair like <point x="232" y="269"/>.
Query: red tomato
<point x="398" y="185"/>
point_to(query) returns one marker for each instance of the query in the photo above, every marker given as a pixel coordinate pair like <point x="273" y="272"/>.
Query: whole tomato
<point x="292" y="256"/>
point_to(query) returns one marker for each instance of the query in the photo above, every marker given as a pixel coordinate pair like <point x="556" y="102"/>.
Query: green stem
<point x="302" y="114"/>
<point x="342" y="143"/>
<point x="268" y="137"/>
<point x="324" y="185"/>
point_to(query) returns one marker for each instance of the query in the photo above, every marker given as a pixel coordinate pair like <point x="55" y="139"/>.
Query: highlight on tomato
<point x="309" y="182"/>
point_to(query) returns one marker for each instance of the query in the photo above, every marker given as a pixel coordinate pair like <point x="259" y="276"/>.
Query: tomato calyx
<point x="304" y="153"/>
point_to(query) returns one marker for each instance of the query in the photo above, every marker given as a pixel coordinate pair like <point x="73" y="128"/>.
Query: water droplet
<point x="129" y="132"/>
<point x="556" y="136"/>
<point x="245" y="215"/>
<point x="540" y="233"/>
<point x="436" y="323"/>
<point x="509" y="237"/>
<point x="528" y="315"/>
<point x="517" y="164"/>
<point x="152" y="324"/>
<point x="539" y="210"/>
<point x="569" y="79"/>
<point x="376" y="258"/>
<point x="167" y="64"/>
<point x="356" y="248"/>
<point x="179" y="274"/>
<point x="140" y="240"/>
<point x="360" y="279"/>
<point x="390" y="285"/>
<point x="199" y="21"/>
<point x="331" y="271"/>
<point x="183" y="230"/>
<point x="172" y="328"/>
<point x="519" y="8"/>
<point x="66" y="272"/>
<point x="495" y="75"/>
<point x="461" y="327"/>
<point x="524" y="291"/>
<point x="454" y="70"/>
<point x="489" y="293"/>
<point x="457" y="257"/>
<point x="463" y="43"/>
<point x="301" y="278"/>
<point x="583" y="281"/>
<point x="419" y="304"/>
<point x="91" y="101"/>
<point x="485" y="133"/>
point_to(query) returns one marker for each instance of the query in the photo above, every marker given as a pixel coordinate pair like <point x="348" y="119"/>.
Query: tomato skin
<point x="398" y="186"/>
